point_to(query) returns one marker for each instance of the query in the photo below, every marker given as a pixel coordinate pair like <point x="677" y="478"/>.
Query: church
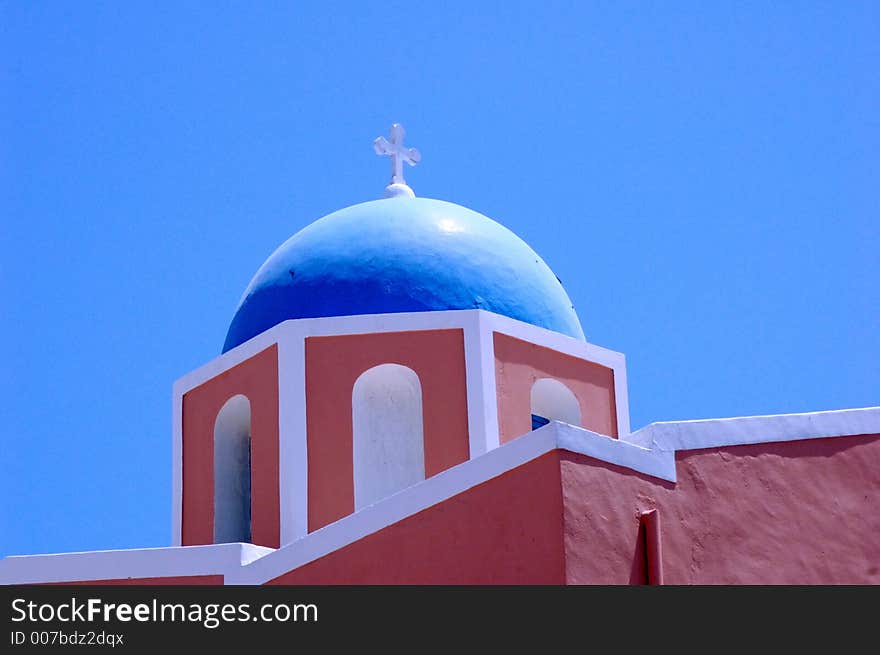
<point x="406" y="396"/>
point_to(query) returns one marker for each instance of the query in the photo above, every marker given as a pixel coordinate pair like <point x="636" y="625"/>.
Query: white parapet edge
<point x="657" y="463"/>
<point x="173" y="561"/>
<point x="650" y="451"/>
<point x="241" y="563"/>
<point x="397" y="322"/>
<point x="448" y="484"/>
<point x="713" y="433"/>
<point x="478" y="327"/>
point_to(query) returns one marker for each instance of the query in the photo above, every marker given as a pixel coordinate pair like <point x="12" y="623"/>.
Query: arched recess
<point x="553" y="401"/>
<point x="232" y="472"/>
<point x="388" y="435"/>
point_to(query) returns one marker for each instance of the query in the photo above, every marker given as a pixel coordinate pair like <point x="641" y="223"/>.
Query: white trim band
<point x="448" y="484"/>
<point x="712" y="433"/>
<point x="174" y="561"/>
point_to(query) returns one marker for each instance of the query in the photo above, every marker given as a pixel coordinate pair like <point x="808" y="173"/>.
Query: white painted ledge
<point x="658" y="463"/>
<point x="298" y="329"/>
<point x="712" y="433"/>
<point x="174" y="561"/>
<point x="650" y="451"/>
<point x="448" y="484"/>
<point x="249" y="564"/>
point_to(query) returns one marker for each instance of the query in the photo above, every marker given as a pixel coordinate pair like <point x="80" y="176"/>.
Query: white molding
<point x="480" y="378"/>
<point x="448" y="484"/>
<point x="554" y="340"/>
<point x="176" y="470"/>
<point x="187" y="383"/>
<point x="229" y="359"/>
<point x="332" y="326"/>
<point x="621" y="398"/>
<point x="247" y="564"/>
<point x="713" y="433"/>
<point x="398" y="322"/>
<point x="296" y="329"/>
<point x="657" y="463"/>
<point x="478" y="328"/>
<point x="293" y="469"/>
<point x="488" y="381"/>
<point x="573" y="347"/>
<point x="174" y="561"/>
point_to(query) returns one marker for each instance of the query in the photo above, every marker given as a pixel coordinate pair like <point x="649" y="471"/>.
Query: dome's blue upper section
<point x="402" y="255"/>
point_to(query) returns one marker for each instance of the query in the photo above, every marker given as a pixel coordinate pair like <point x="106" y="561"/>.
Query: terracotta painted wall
<point x="257" y="379"/>
<point x="507" y="530"/>
<point x="801" y="512"/>
<point x="333" y="364"/>
<point x="178" y="580"/>
<point x="518" y="364"/>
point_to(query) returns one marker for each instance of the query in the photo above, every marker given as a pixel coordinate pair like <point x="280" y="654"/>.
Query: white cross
<point x="398" y="153"/>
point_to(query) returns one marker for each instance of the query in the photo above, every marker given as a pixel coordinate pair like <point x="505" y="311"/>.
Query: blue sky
<point x="703" y="177"/>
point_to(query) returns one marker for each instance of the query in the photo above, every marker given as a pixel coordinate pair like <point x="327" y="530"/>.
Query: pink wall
<point x="176" y="580"/>
<point x="257" y="379"/>
<point x="799" y="512"/>
<point x="333" y="364"/>
<point x="518" y="364"/>
<point x="507" y="530"/>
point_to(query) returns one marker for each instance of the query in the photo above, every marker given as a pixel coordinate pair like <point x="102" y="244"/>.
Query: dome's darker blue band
<point x="402" y="255"/>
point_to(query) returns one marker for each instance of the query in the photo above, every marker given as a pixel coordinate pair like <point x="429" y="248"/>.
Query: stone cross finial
<point x="399" y="154"/>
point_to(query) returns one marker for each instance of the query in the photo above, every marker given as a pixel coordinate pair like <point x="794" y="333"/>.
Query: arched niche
<point x="388" y="440"/>
<point x="551" y="400"/>
<point x="232" y="472"/>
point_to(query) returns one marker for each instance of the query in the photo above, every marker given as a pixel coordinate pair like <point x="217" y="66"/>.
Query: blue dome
<point x="402" y="255"/>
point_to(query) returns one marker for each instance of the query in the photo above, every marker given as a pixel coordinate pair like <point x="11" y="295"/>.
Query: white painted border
<point x="569" y="346"/>
<point x="553" y="340"/>
<point x="713" y="433"/>
<point x="229" y="359"/>
<point x="448" y="484"/>
<point x="621" y="398"/>
<point x="478" y="327"/>
<point x="657" y="463"/>
<point x="174" y="561"/>
<point x="189" y="382"/>
<point x="247" y="564"/>
<point x="402" y="322"/>
<point x="481" y="395"/>
<point x="176" y="469"/>
<point x="293" y="468"/>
